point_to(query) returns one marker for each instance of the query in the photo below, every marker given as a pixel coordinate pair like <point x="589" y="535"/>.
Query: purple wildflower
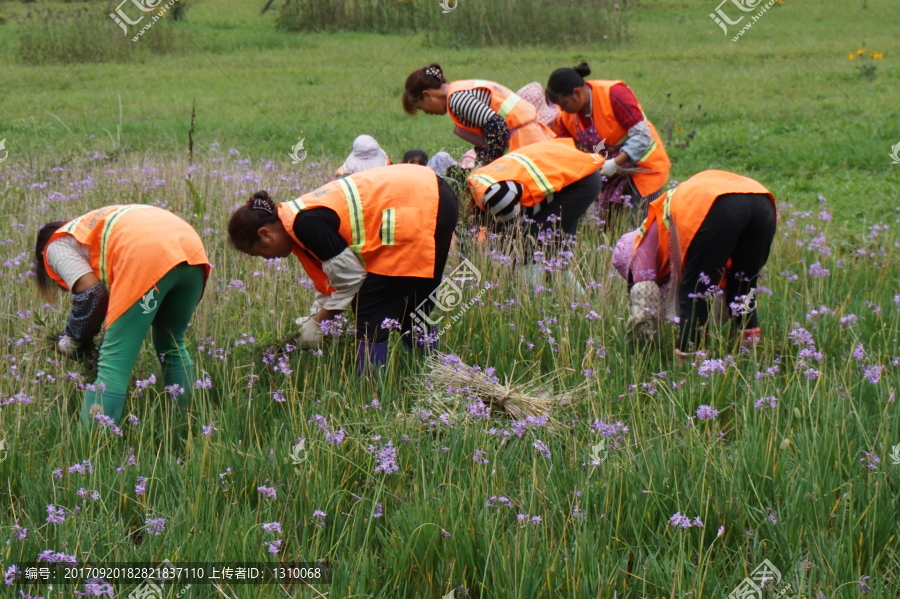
<point x="542" y="448"/>
<point x="209" y="428"/>
<point x="267" y="492"/>
<point x="141" y="487"/>
<point x="873" y="374"/>
<point x="479" y="456"/>
<point x="155" y="526"/>
<point x="95" y="587"/>
<point x="319" y="517"/>
<point x="335" y="438"/>
<point x="871" y="460"/>
<point x="379" y="512"/>
<point x="387" y="459"/>
<point x="55" y="515"/>
<point x="706" y="412"/>
<point x="763" y="402"/>
<point x="679" y="521"/>
<point x="274" y="546"/>
<point x="272" y="527"/>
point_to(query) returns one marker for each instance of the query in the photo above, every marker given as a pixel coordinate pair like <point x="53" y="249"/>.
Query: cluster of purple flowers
<point x="763" y="402"/>
<point x="267" y="492"/>
<point x="706" y="412"/>
<point x="385" y="458"/>
<point x="542" y="448"/>
<point x="680" y="521"/>
<point x="155" y="526"/>
<point x="804" y="339"/>
<point x="526" y="518"/>
<point x="501" y="501"/>
<point x="333" y="437"/>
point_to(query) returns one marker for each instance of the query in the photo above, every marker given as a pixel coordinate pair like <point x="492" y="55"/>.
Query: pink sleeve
<point x="643" y="263"/>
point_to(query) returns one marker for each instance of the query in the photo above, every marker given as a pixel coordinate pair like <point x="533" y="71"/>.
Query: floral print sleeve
<point x="496" y="139"/>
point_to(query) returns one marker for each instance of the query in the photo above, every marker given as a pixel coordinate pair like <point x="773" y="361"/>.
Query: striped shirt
<point x="472" y="107"/>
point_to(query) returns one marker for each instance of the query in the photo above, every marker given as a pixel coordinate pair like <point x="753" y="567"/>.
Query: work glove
<point x="310" y="334"/>
<point x="68" y="346"/>
<point x="609" y="168"/>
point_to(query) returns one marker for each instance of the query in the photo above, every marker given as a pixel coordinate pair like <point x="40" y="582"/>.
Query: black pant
<point x="570" y="204"/>
<point x="740" y="226"/>
<point x="383" y="297"/>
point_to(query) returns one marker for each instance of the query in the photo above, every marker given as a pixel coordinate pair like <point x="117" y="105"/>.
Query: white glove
<point x="609" y="168"/>
<point x="299" y="321"/>
<point x="68" y="346"/>
<point x="310" y="334"/>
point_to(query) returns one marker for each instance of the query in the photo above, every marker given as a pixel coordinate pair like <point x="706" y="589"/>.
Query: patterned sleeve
<point x="496" y="139"/>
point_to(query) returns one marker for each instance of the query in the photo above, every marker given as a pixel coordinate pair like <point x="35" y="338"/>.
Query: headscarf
<point x="624" y="250"/>
<point x="440" y="162"/>
<point x="534" y="94"/>
<point x="366" y="154"/>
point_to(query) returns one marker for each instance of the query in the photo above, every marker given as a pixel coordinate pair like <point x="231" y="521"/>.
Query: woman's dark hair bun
<point x="582" y="69"/>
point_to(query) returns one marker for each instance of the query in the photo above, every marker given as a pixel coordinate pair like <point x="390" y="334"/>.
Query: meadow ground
<point x="805" y="480"/>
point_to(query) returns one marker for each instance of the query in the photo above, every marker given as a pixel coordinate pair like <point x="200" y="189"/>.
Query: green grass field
<point x="797" y="484"/>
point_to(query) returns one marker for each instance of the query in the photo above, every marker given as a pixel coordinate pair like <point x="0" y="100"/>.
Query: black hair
<point x="563" y="82"/>
<point x="415" y="156"/>
<point x="243" y="227"/>
<point x="46" y="285"/>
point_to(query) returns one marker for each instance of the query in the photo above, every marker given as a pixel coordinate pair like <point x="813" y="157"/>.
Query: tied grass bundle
<point x="447" y="373"/>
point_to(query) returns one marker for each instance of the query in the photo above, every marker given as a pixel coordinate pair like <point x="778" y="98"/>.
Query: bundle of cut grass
<point x="447" y="376"/>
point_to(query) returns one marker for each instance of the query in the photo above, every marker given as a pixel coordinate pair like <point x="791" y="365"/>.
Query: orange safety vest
<point x="520" y="114"/>
<point x="542" y="168"/>
<point x="609" y="129"/>
<point x="132" y="247"/>
<point x="388" y="217"/>
<point x="684" y="209"/>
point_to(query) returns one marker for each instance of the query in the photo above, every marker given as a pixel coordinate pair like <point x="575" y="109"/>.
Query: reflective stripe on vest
<point x="388" y="223"/>
<point x="534" y="171"/>
<point x="354" y="207"/>
<point x="667" y="207"/>
<point x="484" y="179"/>
<point x="648" y="152"/>
<point x="508" y="104"/>
<point x="108" y="225"/>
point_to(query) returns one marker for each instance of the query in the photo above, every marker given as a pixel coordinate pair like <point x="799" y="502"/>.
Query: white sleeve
<point x="346" y="274"/>
<point x="70" y="259"/>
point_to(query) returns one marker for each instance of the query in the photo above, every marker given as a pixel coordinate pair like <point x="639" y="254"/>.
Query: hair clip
<point x="434" y="72"/>
<point x="261" y="204"/>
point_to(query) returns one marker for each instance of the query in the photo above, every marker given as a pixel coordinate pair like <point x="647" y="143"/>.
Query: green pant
<point x="168" y="312"/>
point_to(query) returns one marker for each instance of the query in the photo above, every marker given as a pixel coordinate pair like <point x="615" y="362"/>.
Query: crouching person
<point x="137" y="268"/>
<point x="710" y="235"/>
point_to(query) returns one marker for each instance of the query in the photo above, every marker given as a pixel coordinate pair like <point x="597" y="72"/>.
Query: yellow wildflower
<point x="861" y="51"/>
<point x="877" y="55"/>
<point x="852" y="56"/>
